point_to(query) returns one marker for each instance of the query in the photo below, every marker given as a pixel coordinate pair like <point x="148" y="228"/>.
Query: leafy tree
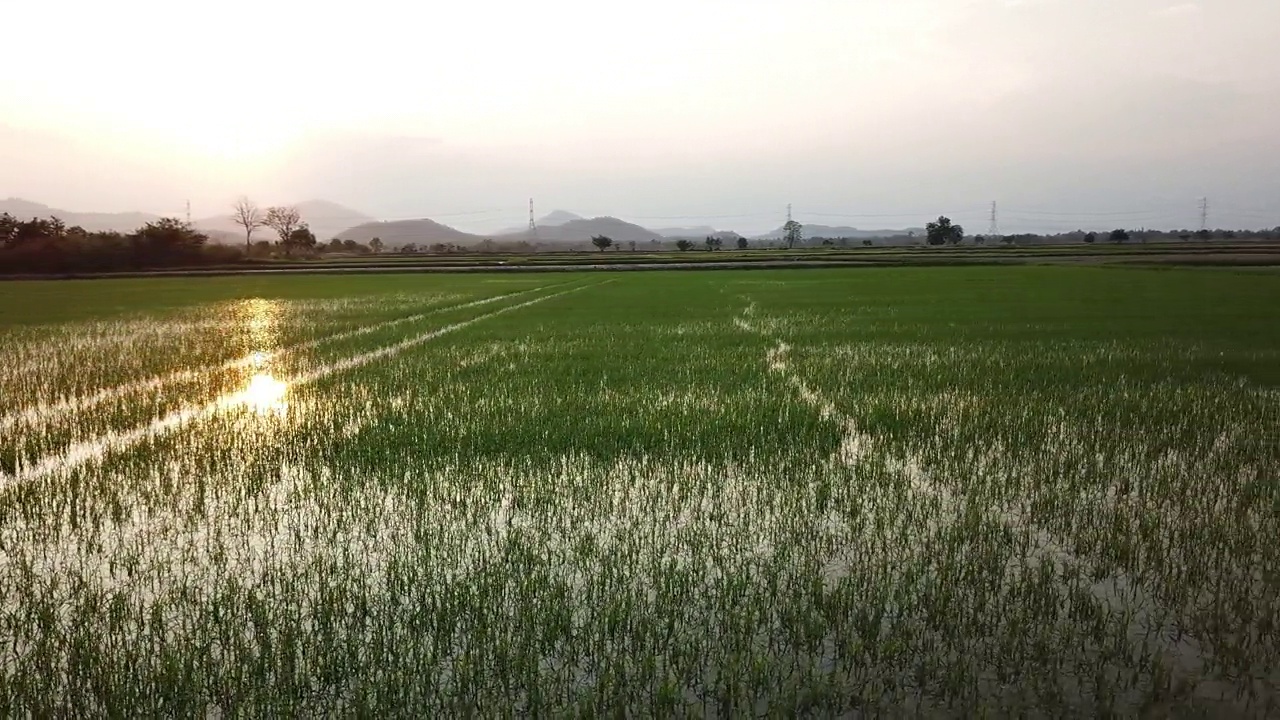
<point x="633" y="245"/>
<point x="167" y="241"/>
<point x="376" y="245"/>
<point x="1119" y="235"/>
<point x="1091" y="237"/>
<point x="684" y="244"/>
<point x="943" y="231"/>
<point x="284" y="220"/>
<point x="8" y="229"/>
<point x="742" y="243"/>
<point x="1228" y="234"/>
<point x="867" y="243"/>
<point x="248" y="216"/>
<point x="713" y="242"/>
<point x="300" y="239"/>
<point x="792" y="232"/>
<point x="979" y="239"/>
<point x="601" y="242"/>
<point x="1204" y="235"/>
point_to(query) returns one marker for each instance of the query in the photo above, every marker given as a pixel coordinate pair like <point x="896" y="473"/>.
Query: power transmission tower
<point x="533" y="226"/>
<point x="788" y="213"/>
<point x="188" y="212"/>
<point x="993" y="231"/>
<point x="1204" y="213"/>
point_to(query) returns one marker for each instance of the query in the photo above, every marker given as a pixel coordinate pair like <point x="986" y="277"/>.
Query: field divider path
<point x="34" y="416"/>
<point x="89" y="450"/>
<point x="1184" y="654"/>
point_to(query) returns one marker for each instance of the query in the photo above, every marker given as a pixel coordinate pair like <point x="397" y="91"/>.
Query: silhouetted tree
<point x="248" y="216"/>
<point x="167" y="241"/>
<point x="792" y="232"/>
<point x="284" y="220"/>
<point x="601" y="242"/>
<point x="713" y="243"/>
<point x="8" y="229"/>
<point x="1119" y="235"/>
<point x="742" y="243"/>
<point x="300" y="239"/>
<point x="943" y="231"/>
<point x="1091" y="237"/>
<point x="684" y="244"/>
<point x="376" y="245"/>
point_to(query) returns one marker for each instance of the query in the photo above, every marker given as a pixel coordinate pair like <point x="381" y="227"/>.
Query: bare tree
<point x="284" y="220"/>
<point x="248" y="216"/>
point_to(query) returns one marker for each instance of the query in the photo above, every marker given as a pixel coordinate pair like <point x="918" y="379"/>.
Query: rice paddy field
<point x="1033" y="491"/>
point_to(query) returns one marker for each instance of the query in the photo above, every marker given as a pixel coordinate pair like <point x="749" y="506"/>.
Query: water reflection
<point x="261" y="319"/>
<point x="264" y="393"/>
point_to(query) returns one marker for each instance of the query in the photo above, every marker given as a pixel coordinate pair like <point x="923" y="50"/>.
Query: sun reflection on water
<point x="265" y="394"/>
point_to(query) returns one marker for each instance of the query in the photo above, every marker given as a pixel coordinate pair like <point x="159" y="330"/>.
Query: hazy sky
<point x="873" y="113"/>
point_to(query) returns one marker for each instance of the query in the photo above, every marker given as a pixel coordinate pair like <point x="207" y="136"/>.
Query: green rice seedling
<point x="939" y="491"/>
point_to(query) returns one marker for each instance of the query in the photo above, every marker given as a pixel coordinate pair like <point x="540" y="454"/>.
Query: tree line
<point x="49" y="245"/>
<point x="944" y="232"/>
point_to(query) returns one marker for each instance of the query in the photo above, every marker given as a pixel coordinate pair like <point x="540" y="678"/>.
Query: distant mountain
<point x="828" y="231"/>
<point x="582" y="230"/>
<point x="559" y="217"/>
<point x="326" y="219"/>
<point x="402" y="232"/>
<point x="687" y="232"/>
<point x="554" y="218"/>
<point x="93" y="222"/>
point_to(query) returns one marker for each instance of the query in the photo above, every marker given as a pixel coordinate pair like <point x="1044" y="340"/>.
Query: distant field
<point x="1217" y="253"/>
<point x="1003" y="490"/>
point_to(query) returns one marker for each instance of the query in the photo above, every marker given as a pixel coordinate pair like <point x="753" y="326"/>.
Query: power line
<point x="880" y="215"/>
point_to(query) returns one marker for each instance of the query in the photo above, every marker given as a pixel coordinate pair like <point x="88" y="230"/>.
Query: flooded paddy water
<point x="822" y="492"/>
